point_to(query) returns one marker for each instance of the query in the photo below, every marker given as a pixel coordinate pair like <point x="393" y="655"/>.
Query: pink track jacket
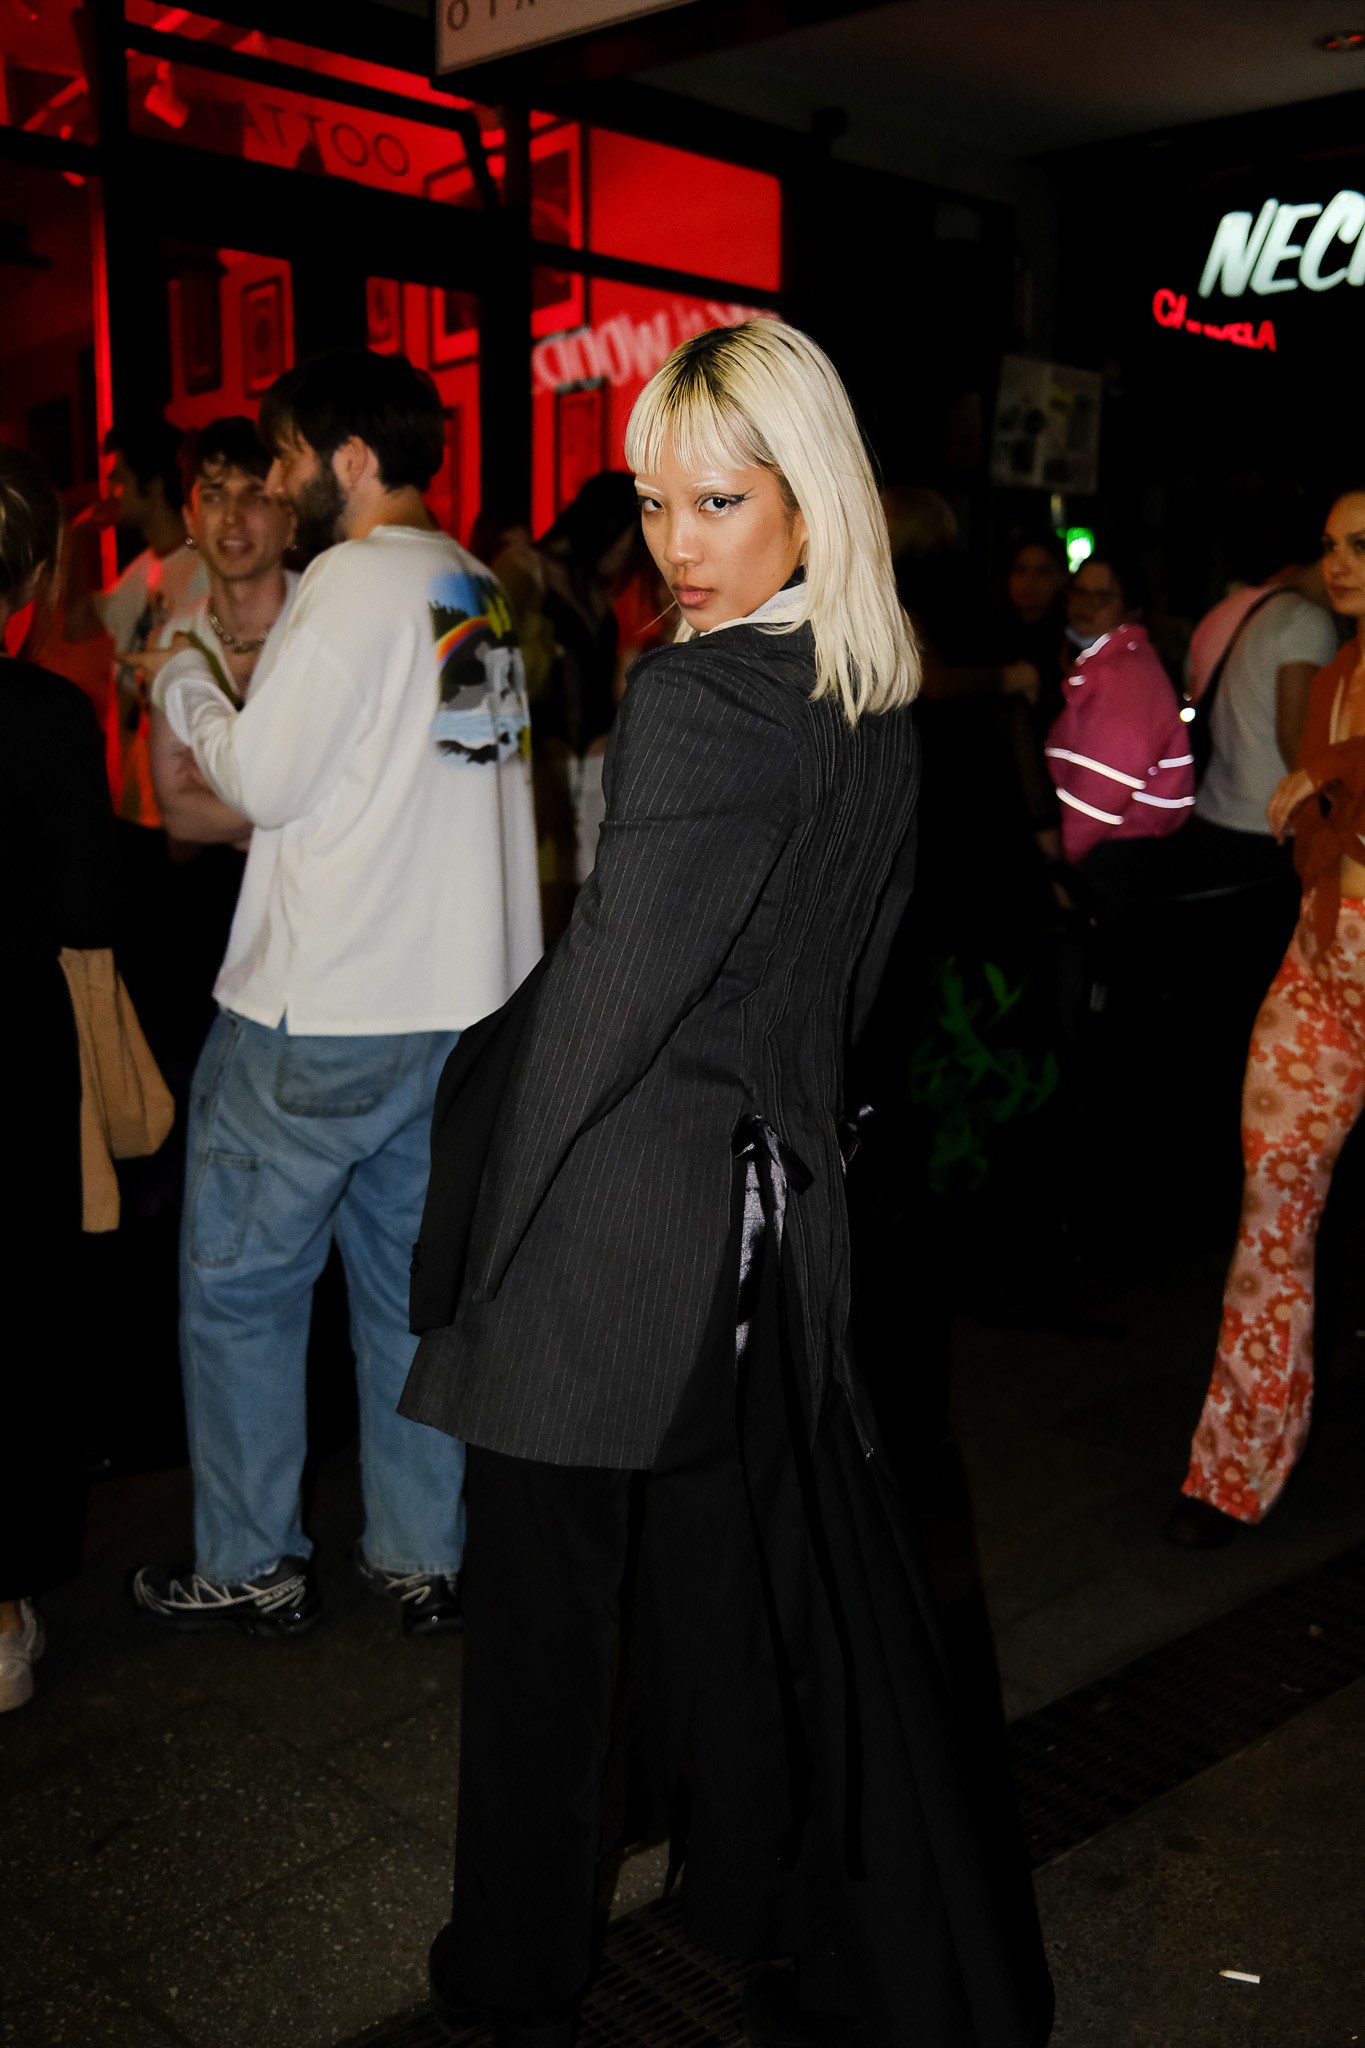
<point x="1118" y="752"/>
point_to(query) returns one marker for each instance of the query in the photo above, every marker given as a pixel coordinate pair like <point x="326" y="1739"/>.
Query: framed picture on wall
<point x="580" y="437"/>
<point x="263" y="338"/>
<point x="198" y="292"/>
<point x="384" y="314"/>
<point x="452" y="328"/>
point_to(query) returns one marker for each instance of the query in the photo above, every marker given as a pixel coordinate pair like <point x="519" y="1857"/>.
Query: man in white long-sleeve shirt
<point x="390" y="898"/>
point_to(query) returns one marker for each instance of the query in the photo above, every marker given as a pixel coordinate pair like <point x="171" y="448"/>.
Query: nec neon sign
<point x="1276" y="250"/>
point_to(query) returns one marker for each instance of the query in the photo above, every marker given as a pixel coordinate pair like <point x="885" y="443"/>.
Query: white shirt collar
<point x="786" y="607"/>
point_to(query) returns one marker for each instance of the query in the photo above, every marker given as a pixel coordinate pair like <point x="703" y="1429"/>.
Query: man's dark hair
<point x="151" y="449"/>
<point x="227" y="443"/>
<point x="385" y="401"/>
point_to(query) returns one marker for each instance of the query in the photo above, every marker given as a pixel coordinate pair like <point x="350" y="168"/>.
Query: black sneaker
<point x="280" y="1603"/>
<point x="431" y="1602"/>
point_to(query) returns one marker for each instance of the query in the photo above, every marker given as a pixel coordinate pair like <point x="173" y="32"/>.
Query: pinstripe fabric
<point x="749" y="838"/>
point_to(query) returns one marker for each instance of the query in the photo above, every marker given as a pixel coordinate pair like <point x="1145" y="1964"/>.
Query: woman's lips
<point x="689" y="596"/>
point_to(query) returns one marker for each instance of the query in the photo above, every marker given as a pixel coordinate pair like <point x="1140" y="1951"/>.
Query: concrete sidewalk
<point x="218" y="1842"/>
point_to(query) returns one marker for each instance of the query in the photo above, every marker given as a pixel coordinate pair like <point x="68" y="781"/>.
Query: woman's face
<point x="1343" y="555"/>
<point x="1035" y="582"/>
<point x="1094" y="603"/>
<point x="724" y="540"/>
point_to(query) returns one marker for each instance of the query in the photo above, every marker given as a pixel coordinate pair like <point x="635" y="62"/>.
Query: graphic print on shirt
<point x="482" y="714"/>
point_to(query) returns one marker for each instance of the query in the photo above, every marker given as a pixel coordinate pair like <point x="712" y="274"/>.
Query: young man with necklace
<point x="242" y="535"/>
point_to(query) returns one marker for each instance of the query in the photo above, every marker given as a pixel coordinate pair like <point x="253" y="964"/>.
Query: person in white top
<point x="145" y="491"/>
<point x="1271" y="640"/>
<point x="390" y="898"/>
<point x="242" y="535"/>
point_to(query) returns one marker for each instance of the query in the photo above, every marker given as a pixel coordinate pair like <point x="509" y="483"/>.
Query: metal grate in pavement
<point x="1080" y="1765"/>
<point x="654" y="1990"/>
<point x="1099" y="1754"/>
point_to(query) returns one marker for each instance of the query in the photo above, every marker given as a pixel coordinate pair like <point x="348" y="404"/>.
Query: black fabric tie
<point x="772" y="1172"/>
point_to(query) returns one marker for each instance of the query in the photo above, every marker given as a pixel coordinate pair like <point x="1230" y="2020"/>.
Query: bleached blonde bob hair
<point x="763" y="395"/>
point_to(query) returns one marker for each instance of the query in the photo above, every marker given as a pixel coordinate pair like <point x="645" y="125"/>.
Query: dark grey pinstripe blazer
<point x="755" y="851"/>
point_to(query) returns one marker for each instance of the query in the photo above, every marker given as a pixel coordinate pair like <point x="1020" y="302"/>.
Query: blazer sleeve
<point x="702" y="795"/>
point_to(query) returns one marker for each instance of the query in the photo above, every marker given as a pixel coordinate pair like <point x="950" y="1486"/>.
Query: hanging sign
<point x="472" y="31"/>
<point x="1282" y="247"/>
<point x="1172" y="309"/>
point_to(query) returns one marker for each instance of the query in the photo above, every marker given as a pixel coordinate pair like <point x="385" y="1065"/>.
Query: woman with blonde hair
<point x="644" y="1335"/>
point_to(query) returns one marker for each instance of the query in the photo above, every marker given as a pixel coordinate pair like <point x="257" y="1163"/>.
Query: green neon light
<point x="1080" y="544"/>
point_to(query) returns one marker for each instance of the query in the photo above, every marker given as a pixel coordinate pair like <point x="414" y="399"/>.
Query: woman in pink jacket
<point x="1118" y="752"/>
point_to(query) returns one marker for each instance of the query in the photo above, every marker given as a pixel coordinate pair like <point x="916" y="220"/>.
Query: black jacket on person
<point x="59" y="852"/>
<point x="792" y="1726"/>
<point x="755" y="858"/>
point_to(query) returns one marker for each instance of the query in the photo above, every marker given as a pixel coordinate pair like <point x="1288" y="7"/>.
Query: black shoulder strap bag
<point x="1201" y="725"/>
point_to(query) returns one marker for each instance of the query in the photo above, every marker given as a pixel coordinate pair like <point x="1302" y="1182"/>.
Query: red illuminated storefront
<point x="190" y="203"/>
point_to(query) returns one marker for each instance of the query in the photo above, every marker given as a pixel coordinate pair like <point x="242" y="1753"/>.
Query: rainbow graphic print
<point x="482" y="715"/>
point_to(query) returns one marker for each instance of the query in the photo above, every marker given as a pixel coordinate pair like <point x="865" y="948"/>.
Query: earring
<point x="189" y="540"/>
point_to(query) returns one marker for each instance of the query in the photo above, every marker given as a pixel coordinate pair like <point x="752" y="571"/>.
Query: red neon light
<point x="1171" y="309"/>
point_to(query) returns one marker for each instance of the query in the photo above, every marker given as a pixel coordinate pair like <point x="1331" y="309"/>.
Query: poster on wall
<point x="264" y="346"/>
<point x="452" y="327"/>
<point x="384" y="314"/>
<point x="198" y="295"/>
<point x="1047" y="427"/>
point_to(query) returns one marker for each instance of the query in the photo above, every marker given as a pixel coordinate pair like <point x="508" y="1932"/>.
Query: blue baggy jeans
<point x="294" y="1141"/>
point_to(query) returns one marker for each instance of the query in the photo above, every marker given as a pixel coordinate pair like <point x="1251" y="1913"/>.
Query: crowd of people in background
<point x="324" y="782"/>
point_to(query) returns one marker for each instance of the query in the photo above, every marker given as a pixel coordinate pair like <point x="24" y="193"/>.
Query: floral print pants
<point x="1304" y="1089"/>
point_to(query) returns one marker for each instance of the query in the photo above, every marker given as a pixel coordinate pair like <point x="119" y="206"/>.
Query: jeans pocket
<point x="211" y="1065"/>
<point x="336" y="1077"/>
<point x="223" y="1204"/>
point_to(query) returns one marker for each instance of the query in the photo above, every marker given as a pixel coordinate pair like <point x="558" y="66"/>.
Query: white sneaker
<point x="19" y="1652"/>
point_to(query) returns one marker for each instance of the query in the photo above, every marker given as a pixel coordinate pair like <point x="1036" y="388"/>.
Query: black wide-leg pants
<point x="748" y="1616"/>
<point x="542" y="1588"/>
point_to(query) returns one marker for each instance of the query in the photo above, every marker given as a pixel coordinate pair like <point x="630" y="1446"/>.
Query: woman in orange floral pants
<point x="1305" y="1088"/>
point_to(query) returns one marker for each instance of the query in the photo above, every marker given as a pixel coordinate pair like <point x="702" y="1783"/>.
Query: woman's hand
<point x="1289" y="794"/>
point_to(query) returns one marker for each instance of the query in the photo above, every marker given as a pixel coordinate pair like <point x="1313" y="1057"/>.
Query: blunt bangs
<point x="763" y="395"/>
<point x="688" y="413"/>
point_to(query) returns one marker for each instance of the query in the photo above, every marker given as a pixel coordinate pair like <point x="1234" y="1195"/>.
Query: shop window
<point x="231" y="316"/>
<point x="439" y="331"/>
<point x="653" y="204"/>
<point x="54" y="393"/>
<point x="266" y="124"/>
<point x="45" y="69"/>
<point x="585" y="379"/>
<point x="556" y="181"/>
<point x="48" y="398"/>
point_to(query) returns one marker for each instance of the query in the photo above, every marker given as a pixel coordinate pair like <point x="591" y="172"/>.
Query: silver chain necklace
<point x="234" y="646"/>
